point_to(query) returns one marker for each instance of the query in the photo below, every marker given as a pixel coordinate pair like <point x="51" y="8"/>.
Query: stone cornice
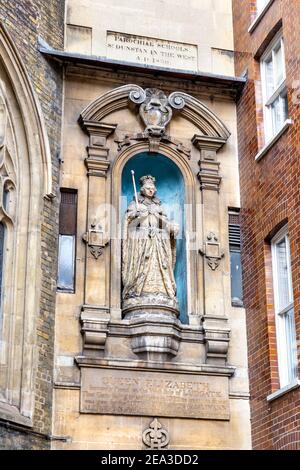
<point x="179" y="368"/>
<point x="230" y="85"/>
<point x="100" y="129"/>
<point x="203" y="142"/>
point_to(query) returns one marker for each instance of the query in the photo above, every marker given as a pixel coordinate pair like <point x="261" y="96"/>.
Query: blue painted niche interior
<point x="171" y="191"/>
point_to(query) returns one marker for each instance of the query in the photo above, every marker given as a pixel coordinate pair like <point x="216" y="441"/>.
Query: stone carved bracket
<point x="95" y="240"/>
<point x="212" y="251"/>
<point x="155" y="437"/>
<point x="97" y="161"/>
<point x="156" y="338"/>
<point x="209" y="167"/>
<point x="217" y="337"/>
<point x="94" y="327"/>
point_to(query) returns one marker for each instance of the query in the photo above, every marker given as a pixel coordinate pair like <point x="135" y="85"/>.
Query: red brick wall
<point x="269" y="196"/>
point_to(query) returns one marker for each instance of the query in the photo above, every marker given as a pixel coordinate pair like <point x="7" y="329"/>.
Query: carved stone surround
<point x="156" y="338"/>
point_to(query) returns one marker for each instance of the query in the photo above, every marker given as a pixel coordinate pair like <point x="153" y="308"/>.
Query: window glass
<point x="236" y="277"/>
<point x="67" y="240"/>
<point x="279" y="112"/>
<point x="283" y="298"/>
<point x="278" y="64"/>
<point x="274" y="88"/>
<point x="282" y="274"/>
<point x="5" y="199"/>
<point x="235" y="258"/>
<point x="66" y="262"/>
<point x="269" y="77"/>
<point x="2" y="233"/>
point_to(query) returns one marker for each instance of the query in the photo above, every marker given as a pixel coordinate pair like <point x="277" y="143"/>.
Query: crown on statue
<point x="147" y="179"/>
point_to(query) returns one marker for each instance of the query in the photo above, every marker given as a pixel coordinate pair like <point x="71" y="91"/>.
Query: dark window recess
<point x="67" y="240"/>
<point x="68" y="212"/>
<point x="235" y="259"/>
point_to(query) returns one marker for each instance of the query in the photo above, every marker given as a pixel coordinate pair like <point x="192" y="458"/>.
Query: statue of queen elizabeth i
<point x="148" y="256"/>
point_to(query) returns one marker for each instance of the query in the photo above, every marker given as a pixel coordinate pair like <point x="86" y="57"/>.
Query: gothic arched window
<point x="25" y="177"/>
<point x="2" y="235"/>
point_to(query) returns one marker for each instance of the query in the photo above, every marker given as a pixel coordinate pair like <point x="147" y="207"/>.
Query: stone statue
<point x="148" y="255"/>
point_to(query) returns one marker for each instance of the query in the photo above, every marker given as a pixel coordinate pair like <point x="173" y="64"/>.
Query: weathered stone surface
<point x="25" y="20"/>
<point x="151" y="51"/>
<point x="154" y="394"/>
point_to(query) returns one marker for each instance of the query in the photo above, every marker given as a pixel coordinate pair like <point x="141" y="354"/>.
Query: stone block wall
<point x="25" y="21"/>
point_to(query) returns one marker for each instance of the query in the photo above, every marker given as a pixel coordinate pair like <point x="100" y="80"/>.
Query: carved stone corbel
<point x="209" y="168"/>
<point x="95" y="240"/>
<point x="216" y="336"/>
<point x="94" y="327"/>
<point x="156" y="339"/>
<point x="97" y="161"/>
<point x="212" y="251"/>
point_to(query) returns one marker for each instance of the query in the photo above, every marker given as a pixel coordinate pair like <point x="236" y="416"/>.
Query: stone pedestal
<point x="154" y="326"/>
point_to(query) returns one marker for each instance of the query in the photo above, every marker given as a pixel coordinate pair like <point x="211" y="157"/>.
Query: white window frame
<point x="260" y="5"/>
<point x="285" y="350"/>
<point x="281" y="89"/>
<point x="259" y="14"/>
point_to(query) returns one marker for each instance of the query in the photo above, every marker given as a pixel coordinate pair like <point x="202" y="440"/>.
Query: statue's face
<point x="148" y="190"/>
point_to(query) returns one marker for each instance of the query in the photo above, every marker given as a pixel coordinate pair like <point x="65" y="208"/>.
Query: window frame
<point x="263" y="5"/>
<point x="259" y="14"/>
<point x="60" y="286"/>
<point x="279" y="91"/>
<point x="72" y="235"/>
<point x="235" y="248"/>
<point x="287" y="374"/>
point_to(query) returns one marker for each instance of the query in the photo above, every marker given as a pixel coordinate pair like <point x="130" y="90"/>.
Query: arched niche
<point x="25" y="174"/>
<point x="196" y="158"/>
<point x="190" y="107"/>
<point x="168" y="166"/>
<point x="171" y="192"/>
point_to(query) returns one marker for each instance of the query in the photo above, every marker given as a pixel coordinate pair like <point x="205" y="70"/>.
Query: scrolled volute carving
<point x="156" y="108"/>
<point x="176" y="100"/>
<point x="138" y="95"/>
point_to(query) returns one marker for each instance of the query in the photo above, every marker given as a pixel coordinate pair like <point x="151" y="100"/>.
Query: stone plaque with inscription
<point x="139" y="393"/>
<point x="152" y="52"/>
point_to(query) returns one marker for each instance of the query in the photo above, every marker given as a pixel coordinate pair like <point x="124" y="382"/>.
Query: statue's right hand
<point x="141" y="211"/>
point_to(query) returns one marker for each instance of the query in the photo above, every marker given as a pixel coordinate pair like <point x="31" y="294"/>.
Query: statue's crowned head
<point x="148" y="187"/>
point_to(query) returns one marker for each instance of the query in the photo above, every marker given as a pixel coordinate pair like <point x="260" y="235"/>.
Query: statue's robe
<point x="149" y="251"/>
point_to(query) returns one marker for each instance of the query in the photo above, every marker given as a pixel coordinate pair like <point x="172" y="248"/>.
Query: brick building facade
<point x="22" y="24"/>
<point x="77" y="84"/>
<point x="269" y="182"/>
